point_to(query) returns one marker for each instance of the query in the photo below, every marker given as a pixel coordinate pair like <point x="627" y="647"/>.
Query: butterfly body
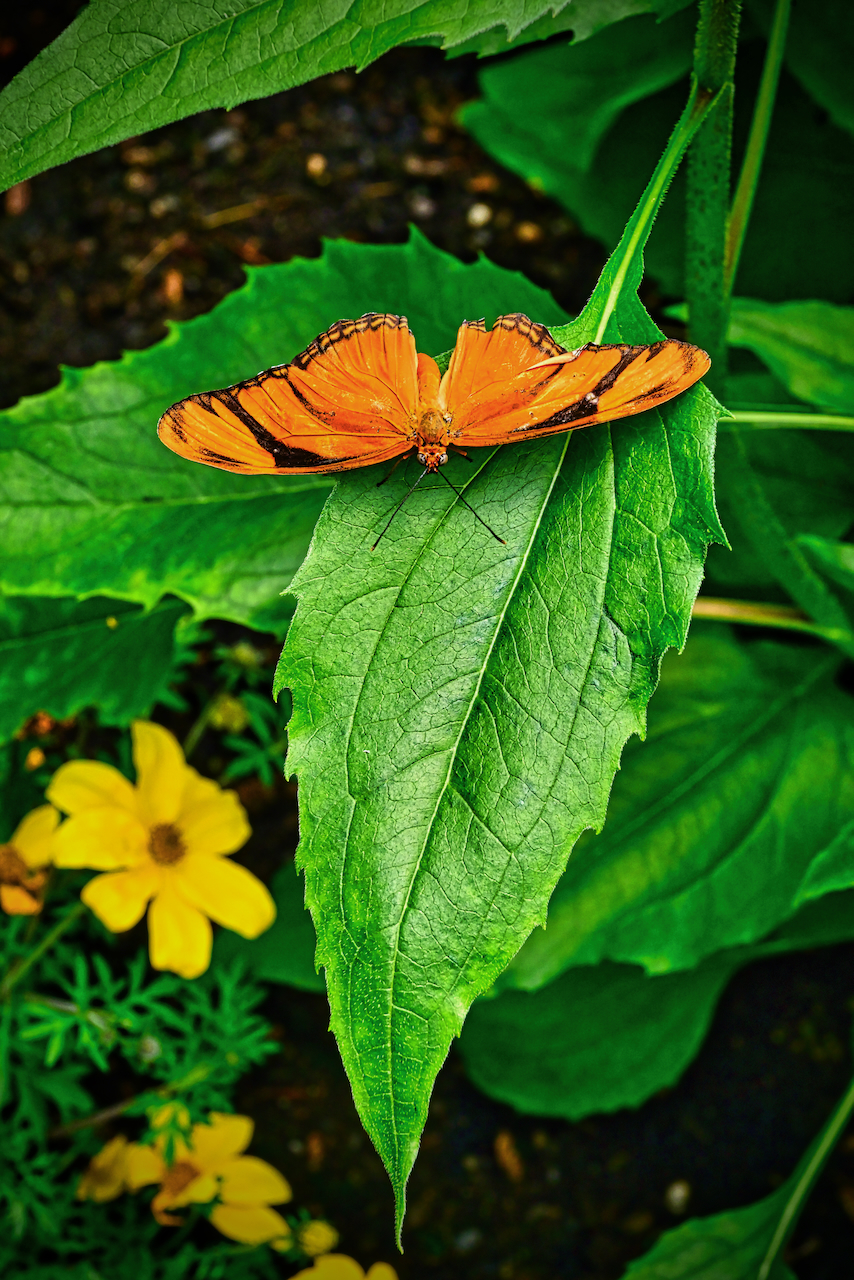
<point x="361" y="394"/>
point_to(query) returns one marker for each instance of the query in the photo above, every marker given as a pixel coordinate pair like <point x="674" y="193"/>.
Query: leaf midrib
<point x="102" y="507"/>
<point x="9" y="643"/>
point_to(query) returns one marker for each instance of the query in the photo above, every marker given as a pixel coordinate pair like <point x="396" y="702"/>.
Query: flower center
<point x="178" y="1177"/>
<point x="13" y="869"/>
<point x="166" y="845"/>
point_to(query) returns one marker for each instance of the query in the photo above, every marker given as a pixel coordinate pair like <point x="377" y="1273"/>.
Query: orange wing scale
<point x="360" y="394"/>
<point x="348" y="400"/>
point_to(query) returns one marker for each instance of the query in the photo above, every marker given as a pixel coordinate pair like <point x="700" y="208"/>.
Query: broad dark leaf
<point x="601" y="1037"/>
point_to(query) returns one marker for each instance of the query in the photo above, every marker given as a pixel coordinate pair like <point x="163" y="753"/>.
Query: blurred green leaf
<point x="460" y="706"/>
<point x="61" y="655"/>
<point x="819" y="51"/>
<point x="745" y="779"/>
<point x="745" y="1244"/>
<point x="809" y="346"/>
<point x="124" y="68"/>
<point x="601" y="1037"/>
<point x="765" y="494"/>
<point x="573" y="95"/>
<point x="804" y="478"/>
<point x="728" y="1246"/>
<point x="285" y="953"/>
<point x="796" y="247"/>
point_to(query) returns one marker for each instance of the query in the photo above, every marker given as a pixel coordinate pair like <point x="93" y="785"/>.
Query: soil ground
<point x="95" y="257"/>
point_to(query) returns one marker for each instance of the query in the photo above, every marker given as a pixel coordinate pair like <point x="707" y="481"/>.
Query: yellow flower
<point x="210" y="1166"/>
<point x="105" y="1177"/>
<point x="162" y="841"/>
<point x="337" y="1266"/>
<point x="23" y="861"/>
<point x="317" y="1237"/>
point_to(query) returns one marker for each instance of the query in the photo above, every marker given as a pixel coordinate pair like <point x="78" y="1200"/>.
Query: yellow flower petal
<point x="103" y="839"/>
<point x="179" y="936"/>
<point x="200" y="1191"/>
<point x="119" y="898"/>
<point x="218" y="1143"/>
<point x="160" y="771"/>
<point x="33" y="839"/>
<point x="381" y="1271"/>
<point x="226" y="892"/>
<point x="250" y="1224"/>
<point x="332" y="1266"/>
<point x="90" y="784"/>
<point x="248" y="1180"/>
<point x="144" y="1166"/>
<point x="317" y="1238"/>
<point x="17" y="901"/>
<point x="211" y="820"/>
<point x="105" y="1177"/>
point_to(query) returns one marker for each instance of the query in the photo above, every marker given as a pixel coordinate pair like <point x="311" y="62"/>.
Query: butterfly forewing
<point x="594" y="384"/>
<point x="348" y="400"/>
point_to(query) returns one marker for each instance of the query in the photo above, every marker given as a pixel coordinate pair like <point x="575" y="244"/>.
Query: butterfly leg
<point x="394" y="467"/>
<point x="456" y="448"/>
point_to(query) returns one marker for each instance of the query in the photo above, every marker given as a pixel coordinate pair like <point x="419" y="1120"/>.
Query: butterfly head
<point x="432" y="456"/>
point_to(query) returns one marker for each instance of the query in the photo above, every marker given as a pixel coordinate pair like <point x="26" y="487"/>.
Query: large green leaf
<point x="746" y="777"/>
<point x="795" y="247"/>
<point x="92" y="503"/>
<point x="601" y="1037"/>
<point x="808" y="345"/>
<point x="460" y="706"/>
<point x="62" y="655"/>
<point x="127" y="66"/>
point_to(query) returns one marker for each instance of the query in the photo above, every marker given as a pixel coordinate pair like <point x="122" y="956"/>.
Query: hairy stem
<point x="750" y="169"/>
<point x="709" y="187"/>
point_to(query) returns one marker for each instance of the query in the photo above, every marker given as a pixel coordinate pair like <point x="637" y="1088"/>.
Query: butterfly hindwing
<point x="348" y="400"/>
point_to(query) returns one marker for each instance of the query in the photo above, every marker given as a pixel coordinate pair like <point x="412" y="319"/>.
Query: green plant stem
<point x="752" y="164"/>
<point x="700" y="103"/>
<point x="200" y="724"/>
<point x="811" y="1167"/>
<point x="760" y="419"/>
<point x="708" y="196"/>
<point x="196" y="1076"/>
<point x="19" y="970"/>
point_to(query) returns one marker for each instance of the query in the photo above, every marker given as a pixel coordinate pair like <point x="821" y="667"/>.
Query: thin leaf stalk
<point x="805" y="1178"/>
<point x="700" y="103"/>
<point x="766" y="420"/>
<point x="762" y="614"/>
<point x="708" y="195"/>
<point x="762" y="112"/>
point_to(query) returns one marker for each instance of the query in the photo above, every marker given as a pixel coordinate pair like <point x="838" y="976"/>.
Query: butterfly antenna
<point x="397" y="508"/>
<point x="470" y="507"/>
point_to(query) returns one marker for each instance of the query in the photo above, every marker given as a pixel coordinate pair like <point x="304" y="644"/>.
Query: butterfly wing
<point x="348" y="400"/>
<point x="515" y="382"/>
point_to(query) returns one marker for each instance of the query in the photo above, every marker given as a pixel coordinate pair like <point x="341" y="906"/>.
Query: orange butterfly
<point x="361" y="394"/>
